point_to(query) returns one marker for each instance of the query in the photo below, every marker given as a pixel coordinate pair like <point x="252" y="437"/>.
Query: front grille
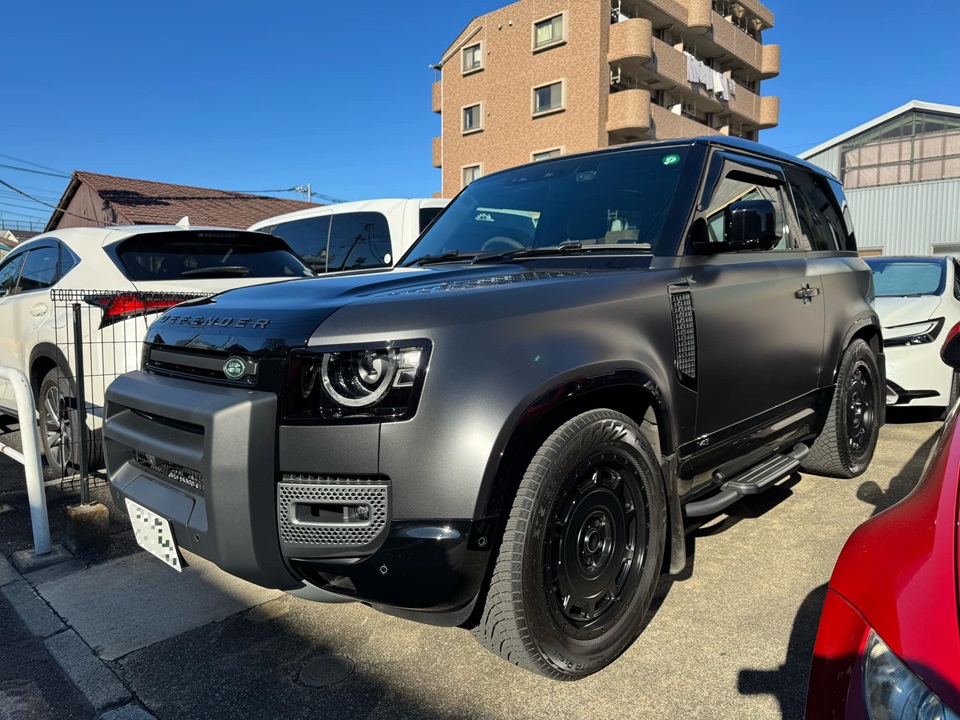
<point x="684" y="333"/>
<point x="202" y="365"/>
<point x="171" y="471"/>
<point x="340" y="529"/>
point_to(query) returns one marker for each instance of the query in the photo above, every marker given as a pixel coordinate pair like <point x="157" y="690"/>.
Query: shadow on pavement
<point x="902" y="484"/>
<point x="788" y="683"/>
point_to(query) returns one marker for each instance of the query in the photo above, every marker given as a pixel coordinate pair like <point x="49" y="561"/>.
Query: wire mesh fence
<point x="97" y="335"/>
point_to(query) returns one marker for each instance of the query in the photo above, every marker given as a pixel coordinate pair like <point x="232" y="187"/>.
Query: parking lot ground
<point x="730" y="638"/>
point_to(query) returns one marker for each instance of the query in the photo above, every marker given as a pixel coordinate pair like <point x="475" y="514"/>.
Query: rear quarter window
<point x="168" y="256"/>
<point x="340" y="241"/>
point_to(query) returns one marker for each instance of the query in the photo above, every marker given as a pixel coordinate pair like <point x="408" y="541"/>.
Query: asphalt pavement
<point x="116" y="634"/>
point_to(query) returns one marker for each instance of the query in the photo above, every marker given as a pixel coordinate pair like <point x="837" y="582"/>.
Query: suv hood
<point x="268" y="319"/>
<point x="894" y="311"/>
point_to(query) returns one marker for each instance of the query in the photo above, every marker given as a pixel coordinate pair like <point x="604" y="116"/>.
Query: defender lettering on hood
<point x="200" y="321"/>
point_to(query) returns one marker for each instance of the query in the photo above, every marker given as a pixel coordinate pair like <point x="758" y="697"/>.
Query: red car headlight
<point x="893" y="692"/>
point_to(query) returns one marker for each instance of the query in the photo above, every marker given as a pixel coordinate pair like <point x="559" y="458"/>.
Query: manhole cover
<point x="327" y="670"/>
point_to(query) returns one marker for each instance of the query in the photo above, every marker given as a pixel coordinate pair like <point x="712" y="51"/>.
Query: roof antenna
<point x="184" y="222"/>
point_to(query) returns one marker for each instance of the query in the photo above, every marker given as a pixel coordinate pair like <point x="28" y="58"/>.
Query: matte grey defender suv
<point x="507" y="431"/>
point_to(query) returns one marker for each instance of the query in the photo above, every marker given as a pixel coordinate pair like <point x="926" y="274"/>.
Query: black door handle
<point x="806" y="293"/>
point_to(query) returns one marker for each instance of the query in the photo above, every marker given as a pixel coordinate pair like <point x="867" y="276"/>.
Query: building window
<point x="472" y="59"/>
<point x="916" y="147"/>
<point x="472" y="118"/>
<point x="471" y="173"/>
<point x="548" y="98"/>
<point x="546" y="154"/>
<point x="549" y="32"/>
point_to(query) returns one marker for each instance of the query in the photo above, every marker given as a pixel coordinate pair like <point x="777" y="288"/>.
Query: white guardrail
<point x="29" y="458"/>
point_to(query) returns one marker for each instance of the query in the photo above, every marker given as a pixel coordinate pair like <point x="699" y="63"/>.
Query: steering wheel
<point x="503" y="242"/>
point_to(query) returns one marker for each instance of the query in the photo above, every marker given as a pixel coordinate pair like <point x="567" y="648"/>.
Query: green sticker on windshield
<point x="671" y="159"/>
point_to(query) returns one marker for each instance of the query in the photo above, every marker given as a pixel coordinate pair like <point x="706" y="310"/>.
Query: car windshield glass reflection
<point x="899" y="278"/>
<point x="589" y="201"/>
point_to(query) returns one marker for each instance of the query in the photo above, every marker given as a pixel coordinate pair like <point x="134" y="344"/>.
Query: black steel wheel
<point x="582" y="551"/>
<point x="845" y="446"/>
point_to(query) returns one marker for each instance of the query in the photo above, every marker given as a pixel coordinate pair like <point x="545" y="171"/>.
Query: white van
<point x="354" y="235"/>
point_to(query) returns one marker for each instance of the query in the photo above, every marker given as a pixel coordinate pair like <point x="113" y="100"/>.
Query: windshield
<point x="900" y="278"/>
<point x="615" y="199"/>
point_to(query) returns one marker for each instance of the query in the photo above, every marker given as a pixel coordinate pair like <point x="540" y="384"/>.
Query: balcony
<point x="769" y="112"/>
<point x="770" y="62"/>
<point x="758" y="10"/>
<point x="438" y="152"/>
<point x="628" y="115"/>
<point x="668" y="70"/>
<point x="438" y="96"/>
<point x="668" y="125"/>
<point x="699" y="15"/>
<point x="630" y="42"/>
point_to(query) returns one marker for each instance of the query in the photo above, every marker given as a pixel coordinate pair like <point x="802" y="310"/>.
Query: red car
<point x="888" y="646"/>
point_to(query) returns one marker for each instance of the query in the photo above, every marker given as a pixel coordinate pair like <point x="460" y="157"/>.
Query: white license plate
<point x="154" y="535"/>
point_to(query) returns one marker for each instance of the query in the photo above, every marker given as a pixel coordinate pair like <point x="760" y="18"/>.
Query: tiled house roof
<point x="144" y="202"/>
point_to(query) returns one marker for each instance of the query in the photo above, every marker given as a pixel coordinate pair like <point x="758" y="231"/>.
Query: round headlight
<point x="358" y="379"/>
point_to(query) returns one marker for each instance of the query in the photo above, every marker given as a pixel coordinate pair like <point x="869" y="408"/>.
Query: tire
<point x="581" y="553"/>
<point x="60" y="427"/>
<point x="849" y="438"/>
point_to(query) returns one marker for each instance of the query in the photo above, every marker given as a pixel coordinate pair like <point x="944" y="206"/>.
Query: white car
<point x="355" y="235"/>
<point x="918" y="302"/>
<point x="119" y="279"/>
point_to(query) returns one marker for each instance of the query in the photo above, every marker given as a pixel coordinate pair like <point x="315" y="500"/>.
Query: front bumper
<point x="916" y="376"/>
<point x="290" y="508"/>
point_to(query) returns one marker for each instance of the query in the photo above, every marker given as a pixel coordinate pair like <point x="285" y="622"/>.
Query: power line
<point x="35" y="172"/>
<point x="28" y="162"/>
<point x="55" y="207"/>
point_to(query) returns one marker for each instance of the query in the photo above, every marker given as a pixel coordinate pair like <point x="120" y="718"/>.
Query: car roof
<point x="377" y="205"/>
<point x="721" y="141"/>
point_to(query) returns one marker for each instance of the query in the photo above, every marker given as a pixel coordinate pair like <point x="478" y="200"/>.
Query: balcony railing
<point x="670" y="125"/>
<point x="630" y="41"/>
<point x="437" y="97"/>
<point x="438" y="152"/>
<point x="628" y="114"/>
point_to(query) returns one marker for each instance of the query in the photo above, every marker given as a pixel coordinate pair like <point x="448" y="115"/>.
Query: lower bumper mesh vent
<point x="337" y="513"/>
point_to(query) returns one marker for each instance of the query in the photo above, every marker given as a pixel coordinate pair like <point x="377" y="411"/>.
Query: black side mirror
<point x="750" y="225"/>
<point x="950" y="352"/>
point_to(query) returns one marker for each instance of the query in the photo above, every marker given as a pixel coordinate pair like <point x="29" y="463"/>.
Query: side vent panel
<point x="684" y="333"/>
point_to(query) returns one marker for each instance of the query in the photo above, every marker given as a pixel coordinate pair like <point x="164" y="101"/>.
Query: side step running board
<point x="751" y="482"/>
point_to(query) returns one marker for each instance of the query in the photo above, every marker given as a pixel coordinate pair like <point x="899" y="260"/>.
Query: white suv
<point x="119" y="279"/>
<point x="355" y="235"/>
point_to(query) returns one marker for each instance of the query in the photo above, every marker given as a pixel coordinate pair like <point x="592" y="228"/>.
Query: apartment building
<point x="541" y="78"/>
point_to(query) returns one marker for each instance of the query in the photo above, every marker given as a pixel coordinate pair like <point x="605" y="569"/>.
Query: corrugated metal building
<point x="902" y="177"/>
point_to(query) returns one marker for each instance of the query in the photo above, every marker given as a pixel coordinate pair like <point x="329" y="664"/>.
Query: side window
<point x="359" y="240"/>
<point x="10" y="273"/>
<point x="427" y="215"/>
<point x="68" y="261"/>
<point x="731" y="189"/>
<point x="308" y="239"/>
<point x="820" y="217"/>
<point x="40" y="269"/>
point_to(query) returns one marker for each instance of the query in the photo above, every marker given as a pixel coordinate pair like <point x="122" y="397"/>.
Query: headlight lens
<point x="893" y="692"/>
<point x="379" y="383"/>
<point x="914" y="334"/>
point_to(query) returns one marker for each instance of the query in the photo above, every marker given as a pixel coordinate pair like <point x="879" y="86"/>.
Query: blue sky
<point x="267" y="95"/>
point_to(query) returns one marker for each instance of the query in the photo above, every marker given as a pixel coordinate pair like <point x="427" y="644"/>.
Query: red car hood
<point x="901" y="570"/>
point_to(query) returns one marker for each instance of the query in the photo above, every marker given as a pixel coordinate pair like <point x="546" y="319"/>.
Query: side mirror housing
<point x="750" y="225"/>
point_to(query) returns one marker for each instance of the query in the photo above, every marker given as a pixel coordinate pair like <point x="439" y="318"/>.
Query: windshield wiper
<point x="443" y="257"/>
<point x="232" y="270"/>
<point x="565" y="248"/>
